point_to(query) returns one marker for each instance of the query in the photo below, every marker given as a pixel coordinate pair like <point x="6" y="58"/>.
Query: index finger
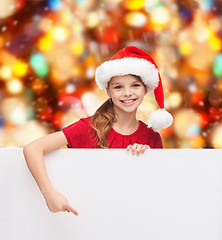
<point x="70" y="209"/>
<point x="129" y="147"/>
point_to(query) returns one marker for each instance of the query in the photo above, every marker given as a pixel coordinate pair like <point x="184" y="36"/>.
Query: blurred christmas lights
<point x="48" y="59"/>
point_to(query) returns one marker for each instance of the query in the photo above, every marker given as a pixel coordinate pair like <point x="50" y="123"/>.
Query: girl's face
<point x="127" y="92"/>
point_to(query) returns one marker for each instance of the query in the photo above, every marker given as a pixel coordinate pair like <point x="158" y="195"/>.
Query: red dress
<point x="81" y="135"/>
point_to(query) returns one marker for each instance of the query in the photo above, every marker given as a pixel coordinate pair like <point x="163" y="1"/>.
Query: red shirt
<point x="80" y="135"/>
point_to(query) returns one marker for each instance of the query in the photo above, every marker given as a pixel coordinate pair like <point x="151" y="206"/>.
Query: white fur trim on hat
<point x="128" y="65"/>
<point x="160" y="119"/>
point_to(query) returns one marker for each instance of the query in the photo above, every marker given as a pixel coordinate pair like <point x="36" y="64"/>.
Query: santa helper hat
<point x="132" y="60"/>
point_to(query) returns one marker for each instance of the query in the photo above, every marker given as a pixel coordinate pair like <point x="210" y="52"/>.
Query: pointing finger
<point x="70" y="209"/>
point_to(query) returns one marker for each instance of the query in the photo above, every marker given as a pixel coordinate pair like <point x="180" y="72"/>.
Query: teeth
<point x="129" y="101"/>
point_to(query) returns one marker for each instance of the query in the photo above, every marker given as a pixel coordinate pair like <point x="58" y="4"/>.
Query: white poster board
<point x="159" y="195"/>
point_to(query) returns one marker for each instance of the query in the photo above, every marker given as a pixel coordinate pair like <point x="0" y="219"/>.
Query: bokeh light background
<point x="49" y="51"/>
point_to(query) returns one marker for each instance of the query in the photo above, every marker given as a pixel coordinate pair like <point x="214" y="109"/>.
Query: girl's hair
<point x="103" y="119"/>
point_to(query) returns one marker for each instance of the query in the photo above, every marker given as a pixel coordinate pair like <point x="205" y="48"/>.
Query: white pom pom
<point x="160" y="119"/>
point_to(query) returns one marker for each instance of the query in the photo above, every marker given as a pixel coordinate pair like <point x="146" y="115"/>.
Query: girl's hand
<point x="139" y="148"/>
<point x="56" y="202"/>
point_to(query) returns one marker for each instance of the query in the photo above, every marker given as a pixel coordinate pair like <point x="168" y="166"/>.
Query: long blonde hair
<point x="102" y="121"/>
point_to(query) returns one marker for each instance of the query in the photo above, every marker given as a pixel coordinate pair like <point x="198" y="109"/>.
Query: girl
<point x="127" y="77"/>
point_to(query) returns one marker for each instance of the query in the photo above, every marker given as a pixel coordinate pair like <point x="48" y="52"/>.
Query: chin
<point x="127" y="110"/>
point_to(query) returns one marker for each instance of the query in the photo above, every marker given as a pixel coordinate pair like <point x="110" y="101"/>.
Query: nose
<point x="127" y="92"/>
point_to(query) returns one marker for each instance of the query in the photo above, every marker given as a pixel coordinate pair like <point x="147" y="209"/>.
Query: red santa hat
<point x="132" y="60"/>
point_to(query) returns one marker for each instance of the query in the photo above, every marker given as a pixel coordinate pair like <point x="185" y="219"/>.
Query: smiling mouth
<point x="128" y="101"/>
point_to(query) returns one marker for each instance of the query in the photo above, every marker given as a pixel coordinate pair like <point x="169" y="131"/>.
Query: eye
<point x="136" y="85"/>
<point x="117" y="87"/>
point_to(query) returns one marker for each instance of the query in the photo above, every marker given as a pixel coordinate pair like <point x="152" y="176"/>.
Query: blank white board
<point x="159" y="195"/>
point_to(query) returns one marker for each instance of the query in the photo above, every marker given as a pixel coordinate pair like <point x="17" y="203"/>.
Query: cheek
<point x="108" y="92"/>
<point x="139" y="92"/>
<point x="115" y="94"/>
<point x="143" y="92"/>
<point x="115" y="97"/>
<point x="141" y="95"/>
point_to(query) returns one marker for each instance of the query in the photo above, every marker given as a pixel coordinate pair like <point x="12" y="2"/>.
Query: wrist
<point x="47" y="190"/>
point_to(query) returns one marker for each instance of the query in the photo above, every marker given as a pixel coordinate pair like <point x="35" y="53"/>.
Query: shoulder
<point x="77" y="132"/>
<point x="153" y="138"/>
<point x="85" y="121"/>
<point x="82" y="123"/>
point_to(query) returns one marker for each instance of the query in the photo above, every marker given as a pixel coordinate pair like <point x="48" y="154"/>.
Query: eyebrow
<point x="120" y="83"/>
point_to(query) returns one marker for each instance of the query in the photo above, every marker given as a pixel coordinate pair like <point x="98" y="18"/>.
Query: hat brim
<point x="128" y="65"/>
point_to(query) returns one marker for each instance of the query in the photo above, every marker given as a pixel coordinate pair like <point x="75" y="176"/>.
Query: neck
<point x="126" y="122"/>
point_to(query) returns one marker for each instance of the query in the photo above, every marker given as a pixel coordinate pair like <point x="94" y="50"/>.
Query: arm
<point x="158" y="141"/>
<point x="34" y="153"/>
